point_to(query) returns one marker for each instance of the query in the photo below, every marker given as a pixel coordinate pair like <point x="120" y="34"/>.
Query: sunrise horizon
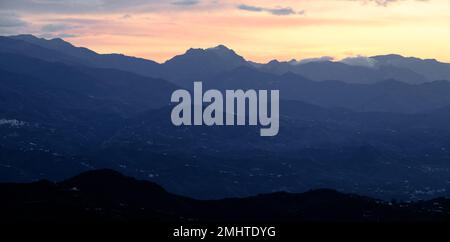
<point x="298" y="59"/>
<point x="258" y="30"/>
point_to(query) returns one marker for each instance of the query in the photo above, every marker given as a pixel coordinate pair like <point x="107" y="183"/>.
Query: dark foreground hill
<point x="108" y="196"/>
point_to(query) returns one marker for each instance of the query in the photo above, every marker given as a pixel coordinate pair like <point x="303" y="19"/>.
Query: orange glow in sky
<point x="258" y="30"/>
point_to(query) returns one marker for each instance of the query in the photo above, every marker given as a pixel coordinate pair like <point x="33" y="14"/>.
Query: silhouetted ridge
<point x="106" y="195"/>
<point x="112" y="181"/>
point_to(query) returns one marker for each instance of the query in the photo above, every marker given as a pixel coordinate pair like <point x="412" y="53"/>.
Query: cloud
<point x="11" y="20"/>
<point x="186" y="2"/>
<point x="78" y="21"/>
<point x="92" y="6"/>
<point x="11" y="23"/>
<point x="360" y="61"/>
<point x="380" y="2"/>
<point x="317" y="59"/>
<point x="57" y="27"/>
<point x="384" y="3"/>
<point x="58" y="35"/>
<point x="57" y="30"/>
<point x="249" y="8"/>
<point x="280" y="11"/>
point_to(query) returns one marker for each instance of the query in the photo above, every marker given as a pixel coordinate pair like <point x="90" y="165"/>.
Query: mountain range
<point x="201" y="63"/>
<point x="379" y="130"/>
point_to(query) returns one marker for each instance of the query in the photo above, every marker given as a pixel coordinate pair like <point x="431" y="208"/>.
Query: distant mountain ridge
<point x="60" y="50"/>
<point x="431" y="68"/>
<point x="328" y="70"/>
<point x="197" y="64"/>
<point x="222" y="68"/>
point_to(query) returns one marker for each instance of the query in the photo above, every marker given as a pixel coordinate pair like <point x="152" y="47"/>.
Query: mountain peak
<point x="293" y="61"/>
<point x="193" y="51"/>
<point x="106" y="179"/>
<point x="29" y="38"/>
<point x="220" y="53"/>
<point x="223" y="51"/>
<point x="24" y="36"/>
<point x="274" y="61"/>
<point x="219" y="47"/>
<point x="59" y="40"/>
<point x="54" y="43"/>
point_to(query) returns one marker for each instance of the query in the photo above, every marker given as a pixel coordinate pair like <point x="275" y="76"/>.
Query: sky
<point x="259" y="30"/>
